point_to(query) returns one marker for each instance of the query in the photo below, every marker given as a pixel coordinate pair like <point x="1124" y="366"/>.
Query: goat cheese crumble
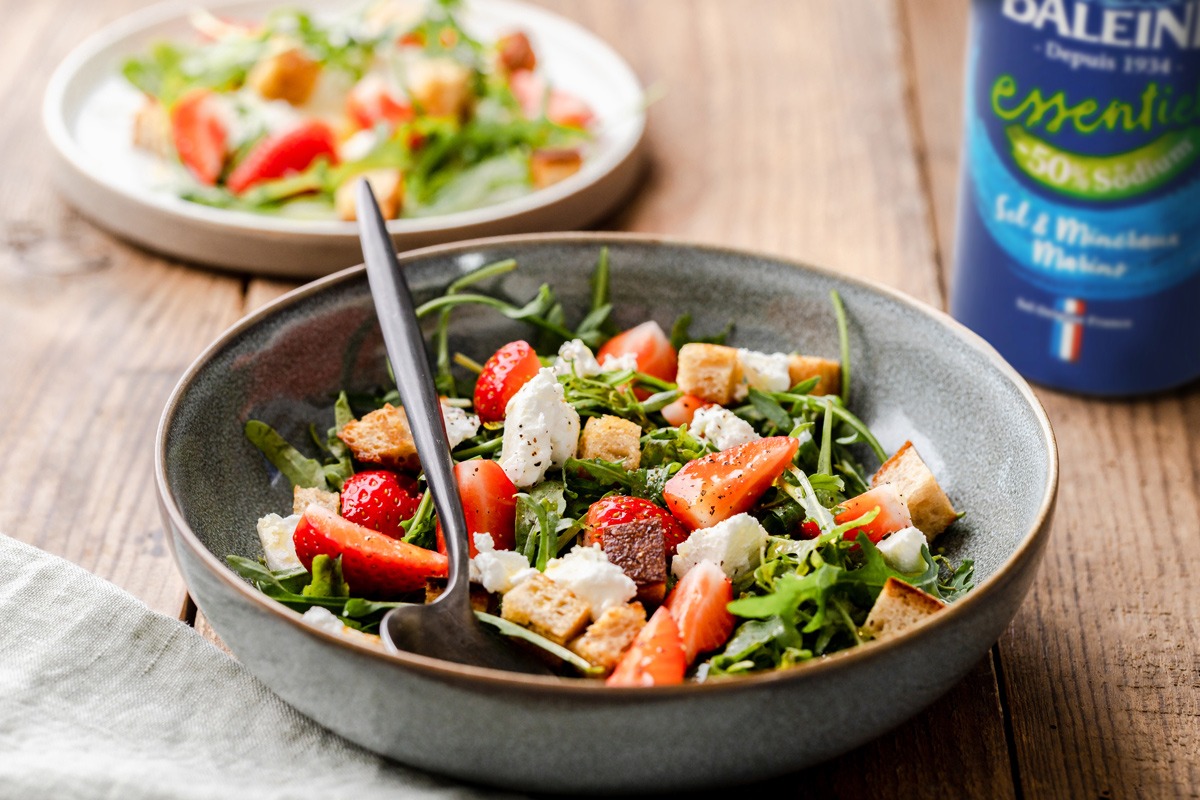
<point x="541" y="430"/>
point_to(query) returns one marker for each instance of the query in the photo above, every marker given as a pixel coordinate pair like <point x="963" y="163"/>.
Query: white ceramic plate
<point x="88" y="115"/>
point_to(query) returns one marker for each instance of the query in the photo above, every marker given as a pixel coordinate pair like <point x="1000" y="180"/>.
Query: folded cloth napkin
<point x="100" y="697"/>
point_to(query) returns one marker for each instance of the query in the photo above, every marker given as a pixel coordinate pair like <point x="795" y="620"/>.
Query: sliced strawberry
<point x="373" y="101"/>
<point x="375" y="566"/>
<point x="284" y="154"/>
<point x="561" y="108"/>
<point x="682" y="410"/>
<point x="380" y="500"/>
<point x="893" y="513"/>
<point x="699" y="605"/>
<point x="564" y="108"/>
<point x="509" y="368"/>
<point x="655" y="658"/>
<point x="649" y="345"/>
<point x="621" y="510"/>
<point x="724" y="484"/>
<point x="198" y="131"/>
<point x="489" y="501"/>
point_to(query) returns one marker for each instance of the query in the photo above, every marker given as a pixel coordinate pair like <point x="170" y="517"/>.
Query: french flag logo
<point x="1067" y="339"/>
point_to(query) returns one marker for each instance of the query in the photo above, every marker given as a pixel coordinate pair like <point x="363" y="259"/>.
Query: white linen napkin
<point x="100" y="697"/>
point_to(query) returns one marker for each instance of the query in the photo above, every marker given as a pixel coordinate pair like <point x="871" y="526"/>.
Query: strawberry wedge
<point x="725" y="484"/>
<point x="375" y="565"/>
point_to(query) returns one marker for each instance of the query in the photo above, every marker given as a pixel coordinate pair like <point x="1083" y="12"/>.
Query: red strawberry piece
<point x="699" y="603"/>
<point x="283" y="154"/>
<point x="655" y="658"/>
<point x="198" y="131"/>
<point x="721" y="485"/>
<point x="684" y="409"/>
<point x="509" y="368"/>
<point x="622" y="510"/>
<point x="489" y="501"/>
<point x="376" y="566"/>
<point x="380" y="500"/>
<point x="893" y="513"/>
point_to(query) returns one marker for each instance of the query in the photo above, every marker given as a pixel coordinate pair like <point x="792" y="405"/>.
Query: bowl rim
<point x="1029" y="545"/>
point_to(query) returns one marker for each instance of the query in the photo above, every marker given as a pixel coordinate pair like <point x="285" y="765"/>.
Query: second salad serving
<point x="280" y="115"/>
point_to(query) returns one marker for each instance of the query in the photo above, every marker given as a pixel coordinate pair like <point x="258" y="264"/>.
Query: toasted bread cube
<point x="606" y="639"/>
<point x="546" y="608"/>
<point x="382" y="437"/>
<point x="386" y="184"/>
<point x="514" y="52"/>
<point x="711" y="372"/>
<point x="928" y="505"/>
<point x="899" y="607"/>
<point x="152" y="129"/>
<point x="551" y="165"/>
<point x="287" y="75"/>
<point x="638" y="549"/>
<point x="801" y="368"/>
<point x="481" y="598"/>
<point x="613" y="439"/>
<point x="440" y="87"/>
<point x="303" y="497"/>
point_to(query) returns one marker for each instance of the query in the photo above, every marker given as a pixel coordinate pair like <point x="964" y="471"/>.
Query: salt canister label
<point x="1078" y="252"/>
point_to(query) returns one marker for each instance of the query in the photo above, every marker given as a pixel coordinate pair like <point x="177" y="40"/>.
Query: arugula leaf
<point x="295" y="466"/>
<point x="771" y="410"/>
<point x="515" y="631"/>
<point x="843" y="327"/>
<point x="681" y="333"/>
<point x="327" y="580"/>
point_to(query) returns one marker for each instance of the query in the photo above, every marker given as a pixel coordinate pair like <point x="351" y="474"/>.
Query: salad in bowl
<point x="646" y="508"/>
<point x="279" y="115"/>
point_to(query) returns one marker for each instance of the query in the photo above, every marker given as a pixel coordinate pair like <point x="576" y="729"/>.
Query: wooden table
<point x="824" y="131"/>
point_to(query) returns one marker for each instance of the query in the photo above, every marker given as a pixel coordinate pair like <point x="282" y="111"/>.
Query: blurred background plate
<point x="88" y="115"/>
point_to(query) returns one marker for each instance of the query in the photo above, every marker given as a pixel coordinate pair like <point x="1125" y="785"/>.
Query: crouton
<point x="606" y="639"/>
<point x="928" y="505"/>
<point x="152" y="129"/>
<point x="481" y="598"/>
<point x="899" y="607"/>
<point x="638" y="549"/>
<point x="801" y="368"/>
<point x="711" y="372"/>
<point x="548" y="166"/>
<point x="382" y="437"/>
<point x="546" y="608"/>
<point x="303" y="497"/>
<point x="440" y="87"/>
<point x="287" y="75"/>
<point x="514" y="52"/>
<point x="388" y="186"/>
<point x="613" y="439"/>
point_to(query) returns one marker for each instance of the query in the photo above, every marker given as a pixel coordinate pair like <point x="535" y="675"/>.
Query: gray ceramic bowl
<point x="917" y="374"/>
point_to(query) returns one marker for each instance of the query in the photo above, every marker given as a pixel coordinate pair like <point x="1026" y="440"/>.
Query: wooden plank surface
<point x="1102" y="664"/>
<point x="825" y="131"/>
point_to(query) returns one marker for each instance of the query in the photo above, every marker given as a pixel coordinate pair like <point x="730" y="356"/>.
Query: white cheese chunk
<point x="497" y="570"/>
<point x="902" y="550"/>
<point x="325" y="620"/>
<point x="541" y="430"/>
<point x="767" y="372"/>
<point x="594" y="579"/>
<point x="275" y="533"/>
<point x="735" y="545"/>
<point x="721" y="428"/>
<point x="460" y="425"/>
<point x="575" y="358"/>
<point x="625" y="361"/>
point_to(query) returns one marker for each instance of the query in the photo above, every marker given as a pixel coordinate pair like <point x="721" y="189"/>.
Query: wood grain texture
<point x="825" y="131"/>
<point x="1102" y="664"/>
